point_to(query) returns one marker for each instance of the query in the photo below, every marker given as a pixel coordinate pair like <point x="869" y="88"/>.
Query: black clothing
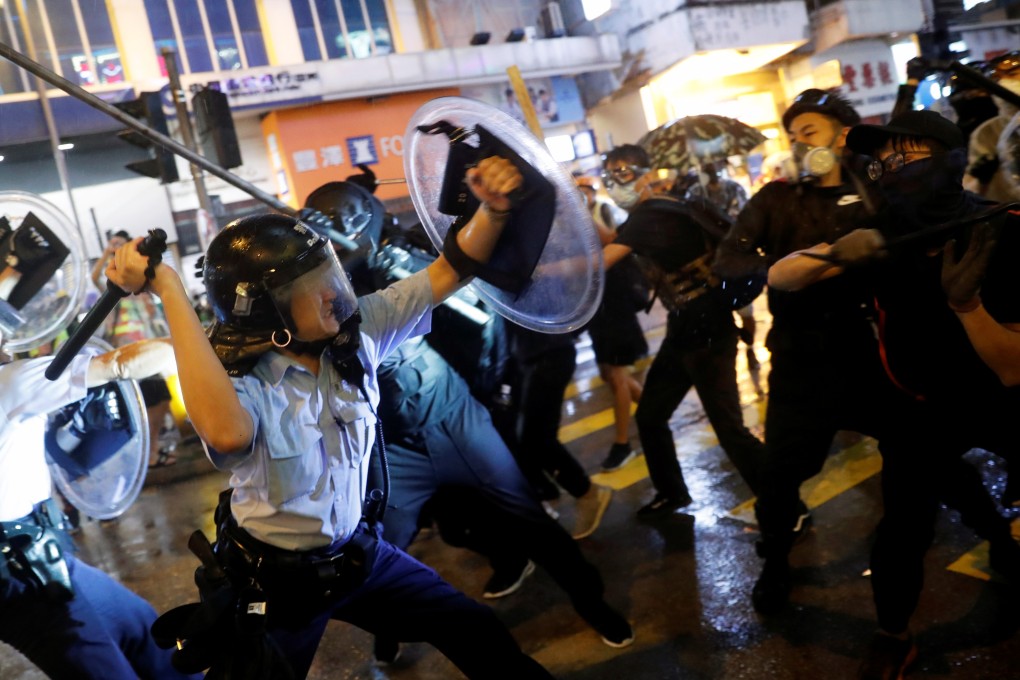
<point x="616" y="335"/>
<point x="962" y="405"/>
<point x="546" y="364"/>
<point x="826" y="374"/>
<point x="662" y="231"/>
<point x="699" y="350"/>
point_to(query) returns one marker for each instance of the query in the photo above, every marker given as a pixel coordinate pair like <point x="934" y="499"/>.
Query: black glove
<point x="917" y="69"/>
<point x="962" y="277"/>
<point x="984" y="168"/>
<point x="858" y="247"/>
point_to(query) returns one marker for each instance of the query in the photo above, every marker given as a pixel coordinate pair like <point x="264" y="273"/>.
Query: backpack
<point x="678" y="288"/>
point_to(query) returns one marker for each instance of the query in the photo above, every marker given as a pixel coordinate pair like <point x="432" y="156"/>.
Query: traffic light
<point x="149" y="109"/>
<point x="215" y="128"/>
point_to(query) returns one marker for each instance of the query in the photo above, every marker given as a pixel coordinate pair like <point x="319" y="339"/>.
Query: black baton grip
<point x="153" y="246"/>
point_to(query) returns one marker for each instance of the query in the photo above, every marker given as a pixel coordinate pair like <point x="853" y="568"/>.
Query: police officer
<point x="438" y="435"/>
<point x="296" y="426"/>
<point x="70" y="619"/>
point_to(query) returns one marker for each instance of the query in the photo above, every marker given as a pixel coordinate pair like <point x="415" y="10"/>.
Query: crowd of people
<point x="893" y="313"/>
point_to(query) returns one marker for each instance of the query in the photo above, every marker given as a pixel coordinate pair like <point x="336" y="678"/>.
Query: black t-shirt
<point x="660" y="230"/>
<point x="782" y="218"/>
<point x="927" y="348"/>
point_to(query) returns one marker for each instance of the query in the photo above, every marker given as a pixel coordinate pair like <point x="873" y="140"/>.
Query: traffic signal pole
<point x="40" y="71"/>
<point x="188" y="135"/>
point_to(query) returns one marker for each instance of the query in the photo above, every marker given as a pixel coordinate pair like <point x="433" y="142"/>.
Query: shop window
<point x="346" y="28"/>
<point x="229" y="37"/>
<point x="84" y="58"/>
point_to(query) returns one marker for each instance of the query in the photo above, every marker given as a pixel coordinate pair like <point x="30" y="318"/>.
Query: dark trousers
<point x="922" y="466"/>
<point x="543" y="382"/>
<point x="488" y="505"/>
<point x="404" y="600"/>
<point x="711" y="371"/>
<point x="813" y="393"/>
<point x="102" y="633"/>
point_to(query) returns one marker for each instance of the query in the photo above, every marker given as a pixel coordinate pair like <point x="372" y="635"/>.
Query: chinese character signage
<point x="869" y="75"/>
<point x="312" y="145"/>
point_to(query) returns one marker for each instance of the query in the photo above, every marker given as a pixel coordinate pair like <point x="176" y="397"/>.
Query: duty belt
<point x="260" y="557"/>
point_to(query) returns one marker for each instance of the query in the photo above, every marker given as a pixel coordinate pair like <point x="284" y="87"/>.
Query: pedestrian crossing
<point x="843" y="470"/>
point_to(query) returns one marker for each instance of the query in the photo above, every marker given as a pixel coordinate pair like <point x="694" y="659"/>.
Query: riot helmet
<point x="272" y="272"/>
<point x="354" y="211"/>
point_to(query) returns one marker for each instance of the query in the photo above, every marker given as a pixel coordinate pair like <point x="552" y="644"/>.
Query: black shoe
<point x="771" y="592"/>
<point x="662" y="506"/>
<point x="619" y="455"/>
<point x="610" y="624"/>
<point x="385" y="650"/>
<point x="504" y="583"/>
<point x="888" y="658"/>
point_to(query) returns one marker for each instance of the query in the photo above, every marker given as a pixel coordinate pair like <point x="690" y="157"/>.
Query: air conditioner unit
<point x="551" y="21"/>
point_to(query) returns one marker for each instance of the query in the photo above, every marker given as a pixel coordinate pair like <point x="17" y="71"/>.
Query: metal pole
<point x="51" y="126"/>
<point x="30" y="65"/>
<point x="184" y="122"/>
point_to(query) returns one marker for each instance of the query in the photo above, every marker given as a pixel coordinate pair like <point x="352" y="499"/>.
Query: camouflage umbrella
<point x="694" y="140"/>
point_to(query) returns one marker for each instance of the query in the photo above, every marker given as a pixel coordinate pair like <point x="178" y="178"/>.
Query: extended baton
<point x="153" y="246"/>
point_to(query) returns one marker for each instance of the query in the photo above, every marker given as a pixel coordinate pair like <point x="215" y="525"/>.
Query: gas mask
<point x="809" y="163"/>
<point x="624" y="195"/>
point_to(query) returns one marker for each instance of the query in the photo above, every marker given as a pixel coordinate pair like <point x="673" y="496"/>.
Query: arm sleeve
<point x="737" y="253"/>
<point x="396" y="313"/>
<point x="247" y="388"/>
<point x="25" y="391"/>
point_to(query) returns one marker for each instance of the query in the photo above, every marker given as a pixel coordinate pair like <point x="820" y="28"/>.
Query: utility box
<point x="550" y="19"/>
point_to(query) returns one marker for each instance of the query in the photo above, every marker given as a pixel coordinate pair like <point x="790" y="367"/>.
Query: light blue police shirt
<point x="302" y="484"/>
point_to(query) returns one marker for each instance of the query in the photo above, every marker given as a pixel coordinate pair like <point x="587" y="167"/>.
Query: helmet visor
<point x="316" y="302"/>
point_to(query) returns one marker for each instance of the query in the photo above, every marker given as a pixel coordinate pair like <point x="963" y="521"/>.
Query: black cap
<point x="826" y="102"/>
<point x="866" y="138"/>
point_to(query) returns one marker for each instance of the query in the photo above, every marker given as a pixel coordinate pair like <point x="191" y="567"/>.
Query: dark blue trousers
<point x="102" y="633"/>
<point x="404" y="600"/>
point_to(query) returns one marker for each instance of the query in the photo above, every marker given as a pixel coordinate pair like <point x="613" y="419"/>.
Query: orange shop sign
<point x="313" y="145"/>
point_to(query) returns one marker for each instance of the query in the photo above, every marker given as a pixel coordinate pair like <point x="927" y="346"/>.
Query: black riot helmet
<point x="257" y="265"/>
<point x="355" y="212"/>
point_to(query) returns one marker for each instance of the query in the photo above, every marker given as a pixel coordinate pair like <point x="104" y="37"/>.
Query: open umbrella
<point x="686" y="142"/>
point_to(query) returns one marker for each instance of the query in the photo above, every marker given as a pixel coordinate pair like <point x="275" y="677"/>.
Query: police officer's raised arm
<point x="213" y="405"/>
<point x="490" y="181"/>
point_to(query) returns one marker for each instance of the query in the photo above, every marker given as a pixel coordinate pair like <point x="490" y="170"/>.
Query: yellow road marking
<point x="975" y="562"/>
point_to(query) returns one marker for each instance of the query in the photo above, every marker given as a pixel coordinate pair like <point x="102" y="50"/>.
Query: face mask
<point x="813" y="162"/>
<point x="624" y="195"/>
<point x="925" y="192"/>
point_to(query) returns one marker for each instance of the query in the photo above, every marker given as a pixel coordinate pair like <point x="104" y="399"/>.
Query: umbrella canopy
<point x="686" y="142"/>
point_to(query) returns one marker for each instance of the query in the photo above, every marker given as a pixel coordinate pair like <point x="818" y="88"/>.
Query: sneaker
<point x="616" y="632"/>
<point x="661" y="506"/>
<point x="590" y="509"/>
<point x="771" y="591"/>
<point x="504" y="583"/>
<point x="619" y="455"/>
<point x="385" y="650"/>
<point x="888" y="658"/>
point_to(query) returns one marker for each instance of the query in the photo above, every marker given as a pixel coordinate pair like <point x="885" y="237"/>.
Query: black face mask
<point x="926" y="192"/>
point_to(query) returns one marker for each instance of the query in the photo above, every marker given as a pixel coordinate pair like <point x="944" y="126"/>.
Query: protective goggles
<point x="893" y="163"/>
<point x="622" y="176"/>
